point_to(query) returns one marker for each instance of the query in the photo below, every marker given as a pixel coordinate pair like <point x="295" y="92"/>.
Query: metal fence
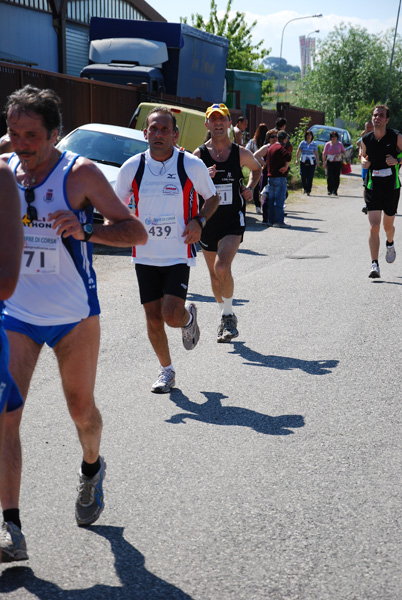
<point x="83" y="101"/>
<point x="86" y="101"/>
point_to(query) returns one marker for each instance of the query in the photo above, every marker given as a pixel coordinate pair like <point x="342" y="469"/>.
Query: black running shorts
<point x="219" y="226"/>
<point x="381" y="199"/>
<point x="156" y="282"/>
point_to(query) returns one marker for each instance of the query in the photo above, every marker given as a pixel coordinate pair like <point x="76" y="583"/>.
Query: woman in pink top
<point x="333" y="154"/>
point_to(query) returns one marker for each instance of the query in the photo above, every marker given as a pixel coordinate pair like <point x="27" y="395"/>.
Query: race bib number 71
<point x="41" y="253"/>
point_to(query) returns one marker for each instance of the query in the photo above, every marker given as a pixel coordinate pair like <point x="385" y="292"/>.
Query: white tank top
<point x="165" y="201"/>
<point x="57" y="284"/>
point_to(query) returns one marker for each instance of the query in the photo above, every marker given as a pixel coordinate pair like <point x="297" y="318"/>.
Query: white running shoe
<point x="12" y="543"/>
<point x="191" y="333"/>
<point x="374" y="271"/>
<point x="390" y="254"/>
<point x="165" y="382"/>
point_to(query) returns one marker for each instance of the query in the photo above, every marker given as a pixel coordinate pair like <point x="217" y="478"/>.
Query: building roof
<point x="11" y="58"/>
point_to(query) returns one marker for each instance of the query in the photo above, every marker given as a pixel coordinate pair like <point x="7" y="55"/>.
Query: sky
<point x="375" y="16"/>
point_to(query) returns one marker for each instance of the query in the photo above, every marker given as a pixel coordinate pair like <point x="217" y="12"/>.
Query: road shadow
<point x="250" y="252"/>
<point x="282" y="363"/>
<point x="351" y="175"/>
<point x="380" y="281"/>
<point x="136" y="582"/>
<point x="302" y="217"/>
<point x="202" y="298"/>
<point x="214" y="413"/>
<point x="295" y="227"/>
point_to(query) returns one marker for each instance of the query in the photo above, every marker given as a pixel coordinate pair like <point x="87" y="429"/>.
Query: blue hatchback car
<point x="322" y="136"/>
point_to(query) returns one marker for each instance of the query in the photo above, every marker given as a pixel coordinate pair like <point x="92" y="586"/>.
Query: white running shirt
<point x="164" y="196"/>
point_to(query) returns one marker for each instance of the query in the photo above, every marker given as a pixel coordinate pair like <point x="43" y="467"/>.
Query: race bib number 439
<point x="41" y="254"/>
<point x="162" y="228"/>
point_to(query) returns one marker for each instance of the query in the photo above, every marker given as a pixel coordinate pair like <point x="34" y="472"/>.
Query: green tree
<point x="350" y="71"/>
<point x="242" y="54"/>
<point x="267" y="90"/>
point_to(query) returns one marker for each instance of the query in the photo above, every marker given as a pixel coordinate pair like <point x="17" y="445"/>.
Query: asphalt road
<point x="272" y="471"/>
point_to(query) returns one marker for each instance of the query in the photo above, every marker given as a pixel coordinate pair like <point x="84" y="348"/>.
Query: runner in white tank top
<point x="55" y="301"/>
<point x="162" y="184"/>
<point x="56" y="273"/>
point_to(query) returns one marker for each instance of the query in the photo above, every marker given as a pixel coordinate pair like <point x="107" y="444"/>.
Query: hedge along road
<point x="272" y="471"/>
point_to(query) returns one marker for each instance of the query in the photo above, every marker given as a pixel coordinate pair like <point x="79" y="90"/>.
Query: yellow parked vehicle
<point x="191" y="123"/>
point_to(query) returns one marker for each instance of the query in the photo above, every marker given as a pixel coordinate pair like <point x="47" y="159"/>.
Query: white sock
<point x="220" y="306"/>
<point x="227" y="306"/>
<point x="168" y="367"/>
<point x="190" y="320"/>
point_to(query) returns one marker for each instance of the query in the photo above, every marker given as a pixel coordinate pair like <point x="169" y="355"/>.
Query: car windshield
<point x="324" y="135"/>
<point x="102" y="147"/>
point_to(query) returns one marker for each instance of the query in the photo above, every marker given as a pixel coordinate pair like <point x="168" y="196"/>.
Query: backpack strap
<point x="135" y="184"/>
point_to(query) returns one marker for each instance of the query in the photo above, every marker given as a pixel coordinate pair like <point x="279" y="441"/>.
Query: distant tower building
<point x="307" y="49"/>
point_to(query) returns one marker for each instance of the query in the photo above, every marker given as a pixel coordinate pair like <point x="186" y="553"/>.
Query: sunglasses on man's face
<point x="273" y="137"/>
<point x="32" y="213"/>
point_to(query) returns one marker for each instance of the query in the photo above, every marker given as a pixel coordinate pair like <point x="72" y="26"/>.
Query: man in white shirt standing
<point x="163" y="184"/>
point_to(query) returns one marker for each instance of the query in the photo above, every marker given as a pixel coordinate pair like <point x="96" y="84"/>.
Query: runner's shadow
<point x="251" y="252"/>
<point x="202" y="298"/>
<point x="283" y="363"/>
<point x="213" y="412"/>
<point x="136" y="582"/>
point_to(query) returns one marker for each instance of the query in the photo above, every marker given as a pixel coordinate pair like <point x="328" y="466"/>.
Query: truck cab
<point x="127" y="60"/>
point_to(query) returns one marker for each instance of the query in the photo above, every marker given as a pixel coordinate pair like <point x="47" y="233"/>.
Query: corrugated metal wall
<point x="77" y="46"/>
<point x="29" y="34"/>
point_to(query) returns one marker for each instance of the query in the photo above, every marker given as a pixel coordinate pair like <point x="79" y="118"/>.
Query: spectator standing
<point x="280" y="124"/>
<point x="261" y="155"/>
<point x="278" y="160"/>
<point x="239" y="130"/>
<point x="333" y="153"/>
<point x="253" y="145"/>
<point x="307" y="155"/>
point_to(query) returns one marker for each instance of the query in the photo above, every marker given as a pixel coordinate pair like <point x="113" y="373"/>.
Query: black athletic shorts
<point x="156" y="282"/>
<point x="382" y="199"/>
<point x="215" y="230"/>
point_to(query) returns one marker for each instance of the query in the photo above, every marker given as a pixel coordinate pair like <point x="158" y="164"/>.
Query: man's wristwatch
<point x="201" y="220"/>
<point x="88" y="231"/>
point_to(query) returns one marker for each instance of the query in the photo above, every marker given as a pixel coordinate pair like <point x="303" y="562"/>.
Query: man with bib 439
<point x="223" y="234"/>
<point x="162" y="184"/>
<point x="379" y="151"/>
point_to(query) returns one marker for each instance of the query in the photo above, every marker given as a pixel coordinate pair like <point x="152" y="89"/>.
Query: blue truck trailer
<point x="171" y="57"/>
